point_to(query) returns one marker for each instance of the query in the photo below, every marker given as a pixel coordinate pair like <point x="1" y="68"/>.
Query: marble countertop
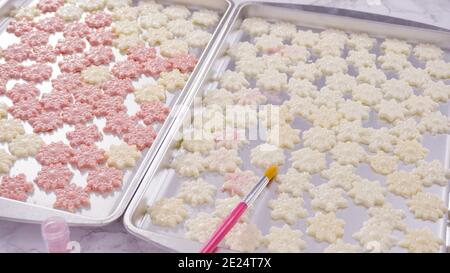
<point x="17" y="237"/>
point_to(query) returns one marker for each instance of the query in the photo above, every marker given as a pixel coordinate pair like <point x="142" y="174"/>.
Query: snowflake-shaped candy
<point x="371" y="75"/>
<point x="116" y="87"/>
<point x="432" y="173"/>
<point x="255" y="26"/>
<point x="329" y="65"/>
<point x="22" y="91"/>
<point x="71" y="198"/>
<point x="141" y="136"/>
<point x="325" y="117"/>
<point x="100" y="37"/>
<point x="367" y="94"/>
<point x="351" y="131"/>
<point x="67" y="82"/>
<point x="348" y="153"/>
<point x="201" y="227"/>
<point x="168" y="212"/>
<point x="223" y="160"/>
<point x="154" y="67"/>
<point x="415" y="77"/>
<point x="380" y="139"/>
<point x="340" y="176"/>
<point x="244" y="237"/>
<point x="283" y="136"/>
<point x="265" y="155"/>
<point x="404" y="183"/>
<point x="107" y="104"/>
<point x="388" y="215"/>
<point x="83" y="135"/>
<point x="233" y="81"/>
<point x="119" y="123"/>
<point x="287" y="208"/>
<point x="37" y="72"/>
<point x="74" y="63"/>
<point x="353" y="110"/>
<point x="410" y="151"/>
<point x="46" y="122"/>
<point x="434" y="123"/>
<point x="307" y="71"/>
<point x="319" y="138"/>
<point x="325" y="227"/>
<point x="360" y="41"/>
<point x="56" y="100"/>
<point x="184" y="62"/>
<point x="239" y="182"/>
<point x="360" y="59"/>
<point x="173" y="80"/>
<point x="104" y="180"/>
<point x="342" y="247"/>
<point x="396" y="89"/>
<point x="54" y="153"/>
<point x="15" y="188"/>
<point x="223" y="207"/>
<point x="96" y="74"/>
<point x="271" y="80"/>
<point x="437" y="91"/>
<point x="53" y="177"/>
<point x="294" y="182"/>
<point x="427" y="206"/>
<point x="250" y="66"/>
<point x="25" y="145"/>
<point x="421" y="240"/>
<point x="406" y="130"/>
<point x="153" y="111"/>
<point x="6" y="161"/>
<point x="149" y="93"/>
<point x="189" y="164"/>
<point x="373" y="231"/>
<point x="26" y="109"/>
<point x="305" y="38"/>
<point x="308" y="160"/>
<point x="122" y="156"/>
<point x="87" y="157"/>
<point x="419" y="105"/>
<point x="438" y="69"/>
<point x="249" y="96"/>
<point x="70" y="13"/>
<point x="393" y="62"/>
<point x="77" y="113"/>
<point x="367" y="193"/>
<point x="127" y="70"/>
<point x="88" y="94"/>
<point x="427" y="52"/>
<point x="302" y="88"/>
<point x="391" y="110"/>
<point x="99" y="55"/>
<point x="197" y="192"/>
<point x="284" y="240"/>
<point x="383" y="163"/>
<point x="49" y="5"/>
<point x="327" y="198"/>
<point x="396" y="46"/>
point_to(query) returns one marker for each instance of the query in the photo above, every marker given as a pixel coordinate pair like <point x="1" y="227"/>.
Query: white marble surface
<point x="16" y="237"/>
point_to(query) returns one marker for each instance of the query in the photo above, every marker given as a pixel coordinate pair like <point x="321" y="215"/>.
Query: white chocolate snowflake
<point x="340" y="176"/>
<point x="360" y="59"/>
<point x="396" y="46"/>
<point x="91" y="5"/>
<point x="223" y="160"/>
<point x="371" y="75"/>
<point x="329" y="65"/>
<point x="308" y="71"/>
<point x="438" y="91"/>
<point x="287" y="208"/>
<point x="233" y="81"/>
<point x="325" y="227"/>
<point x="380" y="140"/>
<point x="125" y="27"/>
<point x="342" y="247"/>
<point x="284" y="240"/>
<point x="283" y="136"/>
<point x="122" y="156"/>
<point x="244" y="237"/>
<point x="268" y="43"/>
<point x="360" y="41"/>
<point x="180" y="27"/>
<point x="308" y="160"/>
<point x="327" y="198"/>
<point x="393" y="62"/>
<point x="353" y="110"/>
<point x="415" y="77"/>
<point x="271" y="80"/>
<point x="351" y="131"/>
<point x="277" y="62"/>
<point x="328" y="47"/>
<point x="171" y="48"/>
<point x="255" y="26"/>
<point x="153" y="20"/>
<point x="205" y="18"/>
<point x="251" y="66"/>
<point x="265" y="155"/>
<point x="391" y="110"/>
<point x="303" y="107"/>
<point x="201" y="227"/>
<point x="124" y="42"/>
<point x="367" y="193"/>
<point x="157" y="36"/>
<point x="427" y="52"/>
<point x="189" y="164"/>
<point x="383" y="163"/>
<point x="403" y="183"/>
<point x="341" y="82"/>
<point x="242" y="50"/>
<point x="294" y="53"/>
<point x="26" y="12"/>
<point x="197" y="192"/>
<point x="427" y="206"/>
<point x="319" y="138"/>
<point x="149" y="93"/>
<point x="328" y="98"/>
<point x="325" y="117"/>
<point x="10" y="129"/>
<point x="198" y="38"/>
<point x="25" y="145"/>
<point x="6" y="161"/>
<point x="434" y="123"/>
<point x="176" y="12"/>
<point x="223" y="207"/>
<point x="432" y="173"/>
<point x="173" y="80"/>
<point x="373" y="233"/>
<point x="388" y="215"/>
<point x="367" y="94"/>
<point x="283" y="30"/>
<point x="438" y="69"/>
<point x="421" y="240"/>
<point x="168" y="212"/>
<point x="348" y="153"/>
<point x="410" y="151"/>
<point x="198" y="140"/>
<point x="96" y="74"/>
<point x="69" y="13"/>
<point x="396" y="89"/>
<point x="406" y="130"/>
<point x="305" y="38"/>
<point x="294" y="182"/>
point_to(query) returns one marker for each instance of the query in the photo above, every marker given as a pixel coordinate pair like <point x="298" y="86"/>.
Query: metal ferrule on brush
<point x="256" y="191"/>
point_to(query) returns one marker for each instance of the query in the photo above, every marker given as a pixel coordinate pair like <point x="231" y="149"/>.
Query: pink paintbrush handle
<point x="224" y="228"/>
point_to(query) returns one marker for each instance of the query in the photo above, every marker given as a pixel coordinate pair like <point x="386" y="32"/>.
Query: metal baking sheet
<point x="106" y="209"/>
<point x="161" y="181"/>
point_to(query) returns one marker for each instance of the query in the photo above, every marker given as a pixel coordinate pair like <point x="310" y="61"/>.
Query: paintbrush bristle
<point x="271" y="172"/>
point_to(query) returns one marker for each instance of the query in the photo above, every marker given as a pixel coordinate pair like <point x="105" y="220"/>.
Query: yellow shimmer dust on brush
<point x="237" y="212"/>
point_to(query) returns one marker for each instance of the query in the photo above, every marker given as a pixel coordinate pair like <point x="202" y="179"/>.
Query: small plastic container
<point x="56" y="235"/>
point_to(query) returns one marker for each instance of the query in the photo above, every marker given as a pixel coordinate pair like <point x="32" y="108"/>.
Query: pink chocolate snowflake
<point x="71" y="198"/>
<point x="127" y="70"/>
<point x="44" y="54"/>
<point x="119" y="123"/>
<point x="46" y="122"/>
<point x="76" y="30"/>
<point x="141" y="136"/>
<point x="184" y="62"/>
<point x="16" y="188"/>
<point x="87" y="157"/>
<point x="100" y="55"/>
<point x="98" y="20"/>
<point x="104" y="180"/>
<point x="89" y="94"/>
<point x="83" y="135"/>
<point x="100" y="37"/>
<point x="37" y="73"/>
<point x="67" y="82"/>
<point x="141" y="53"/>
<point x="56" y="100"/>
<point x="156" y="66"/>
<point x="20" y="27"/>
<point x="116" y="87"/>
<point x="51" y="24"/>
<point x="54" y="153"/>
<point x="153" y="111"/>
<point x="77" y="113"/>
<point x="49" y="5"/>
<point x="22" y="91"/>
<point x="17" y="52"/>
<point x="107" y="104"/>
<point x="53" y="177"/>
<point x="73" y="63"/>
<point x="239" y="182"/>
<point x="35" y="38"/>
<point x="70" y="45"/>
<point x="25" y="109"/>
<point x="3" y="83"/>
<point x="11" y="70"/>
